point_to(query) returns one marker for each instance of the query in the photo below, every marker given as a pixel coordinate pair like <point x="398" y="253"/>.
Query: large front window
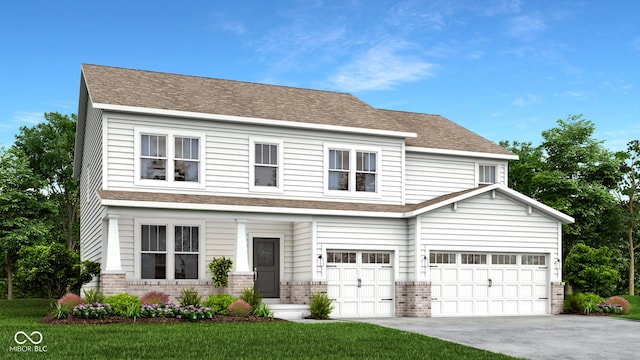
<point x="352" y="169"/>
<point x="168" y="158"/>
<point x="169" y="251"/>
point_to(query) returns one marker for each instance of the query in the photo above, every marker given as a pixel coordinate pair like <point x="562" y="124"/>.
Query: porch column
<point x="113" y="263"/>
<point x="241" y="265"/>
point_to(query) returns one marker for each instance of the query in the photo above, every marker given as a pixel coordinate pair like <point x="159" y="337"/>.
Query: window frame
<point x="480" y="168"/>
<point x="170" y="252"/>
<point x="279" y="188"/>
<point x="353" y="171"/>
<point x="170" y="158"/>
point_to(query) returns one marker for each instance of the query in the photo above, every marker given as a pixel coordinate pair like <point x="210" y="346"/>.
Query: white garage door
<point x="477" y="284"/>
<point x="360" y="283"/>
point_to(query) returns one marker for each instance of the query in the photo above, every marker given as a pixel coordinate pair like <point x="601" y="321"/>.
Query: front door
<point x="266" y="263"/>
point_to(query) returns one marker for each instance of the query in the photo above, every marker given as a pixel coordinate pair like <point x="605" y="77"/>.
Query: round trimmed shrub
<point x="124" y="304"/>
<point x="70" y="300"/>
<point x="240" y="308"/>
<point x="219" y="304"/>
<point x="618" y="300"/>
<point x="154" y="297"/>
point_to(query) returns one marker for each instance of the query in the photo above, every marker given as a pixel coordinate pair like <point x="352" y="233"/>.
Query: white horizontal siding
<point x="227" y="158"/>
<point x="485" y="224"/>
<point x="429" y="176"/>
<point x="366" y="234"/>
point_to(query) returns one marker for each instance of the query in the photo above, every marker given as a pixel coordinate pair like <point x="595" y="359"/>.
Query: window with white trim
<point x="376" y="258"/>
<point x="341" y="257"/>
<point x="168" y="158"/>
<point x="265" y="165"/>
<point x="442" y="258"/>
<point x="534" y="260"/>
<point x="352" y="169"/>
<point x="487" y="174"/>
<point x="168" y="251"/>
<point x="473" y="259"/>
<point x="503" y="259"/>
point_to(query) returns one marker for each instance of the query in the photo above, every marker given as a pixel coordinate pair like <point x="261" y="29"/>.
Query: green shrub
<point x="189" y="296"/>
<point x="320" y="307"/>
<point x="93" y="296"/>
<point x="240" y="308"/>
<point x="61" y="312"/>
<point x="252" y="296"/>
<point x="124" y="304"/>
<point x="219" y="304"/>
<point x="589" y="270"/>
<point x="154" y="297"/>
<point x="263" y="311"/>
<point x="219" y="268"/>
<point x="581" y="302"/>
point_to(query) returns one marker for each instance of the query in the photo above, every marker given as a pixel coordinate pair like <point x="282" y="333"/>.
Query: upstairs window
<point x="266" y="165"/>
<point x="339" y="170"/>
<point x="487" y="174"/>
<point x="168" y="158"/>
<point x="351" y="170"/>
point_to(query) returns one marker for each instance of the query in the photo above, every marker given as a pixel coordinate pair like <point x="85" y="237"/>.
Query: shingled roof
<point x="156" y="90"/>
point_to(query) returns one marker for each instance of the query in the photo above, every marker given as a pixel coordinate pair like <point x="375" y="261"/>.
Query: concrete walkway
<point x="532" y="337"/>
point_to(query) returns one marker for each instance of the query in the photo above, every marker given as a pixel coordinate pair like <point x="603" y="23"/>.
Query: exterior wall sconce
<point x="320" y="262"/>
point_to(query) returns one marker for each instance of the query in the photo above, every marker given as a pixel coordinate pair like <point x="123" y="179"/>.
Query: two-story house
<point x="391" y="213"/>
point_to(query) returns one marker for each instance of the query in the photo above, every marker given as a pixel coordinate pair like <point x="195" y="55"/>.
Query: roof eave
<point x="476" y="154"/>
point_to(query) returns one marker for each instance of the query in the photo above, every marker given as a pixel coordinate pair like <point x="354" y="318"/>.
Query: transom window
<point x="341" y="257"/>
<point x="503" y="259"/>
<point x="376" y="258"/>
<point x="169" y="251"/>
<point x="442" y="258"/>
<point x="534" y="260"/>
<point x="266" y="165"/>
<point x="352" y="170"/>
<point x="473" y="259"/>
<point x="487" y="174"/>
<point x="164" y="159"/>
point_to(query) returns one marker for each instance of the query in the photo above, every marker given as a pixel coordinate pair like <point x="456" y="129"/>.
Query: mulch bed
<point x="71" y="320"/>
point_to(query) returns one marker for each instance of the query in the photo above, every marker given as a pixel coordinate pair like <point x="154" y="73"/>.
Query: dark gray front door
<point x="266" y="261"/>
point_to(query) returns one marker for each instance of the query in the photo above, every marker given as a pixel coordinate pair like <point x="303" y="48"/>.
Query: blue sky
<point x="506" y="70"/>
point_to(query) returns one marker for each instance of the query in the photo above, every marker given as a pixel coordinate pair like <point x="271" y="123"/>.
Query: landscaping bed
<point x="72" y="320"/>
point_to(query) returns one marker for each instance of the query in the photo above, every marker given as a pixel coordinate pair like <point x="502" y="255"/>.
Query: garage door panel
<point x="510" y="286"/>
<point x="367" y="291"/>
<point x="367" y="274"/>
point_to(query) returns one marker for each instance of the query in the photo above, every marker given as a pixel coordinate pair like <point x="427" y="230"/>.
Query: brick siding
<point x="413" y="299"/>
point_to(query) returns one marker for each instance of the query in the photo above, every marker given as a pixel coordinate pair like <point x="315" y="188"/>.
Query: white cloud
<point x="380" y="68"/>
<point x="526" y="100"/>
<point x="526" y="26"/>
<point x="28" y="118"/>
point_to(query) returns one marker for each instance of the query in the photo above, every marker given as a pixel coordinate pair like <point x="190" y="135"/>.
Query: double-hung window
<point x="168" y="158"/>
<point x="265" y="168"/>
<point x="351" y="169"/>
<point x="486" y="174"/>
<point x="168" y="251"/>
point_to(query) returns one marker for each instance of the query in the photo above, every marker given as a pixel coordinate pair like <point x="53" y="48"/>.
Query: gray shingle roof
<point x="156" y="90"/>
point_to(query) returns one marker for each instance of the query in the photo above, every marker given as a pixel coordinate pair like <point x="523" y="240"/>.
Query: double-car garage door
<point x="477" y="284"/>
<point x="360" y="283"/>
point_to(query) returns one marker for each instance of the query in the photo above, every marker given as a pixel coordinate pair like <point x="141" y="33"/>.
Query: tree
<point x="629" y="199"/>
<point x="49" y="150"/>
<point x="523" y="170"/>
<point x="55" y="269"/>
<point x="22" y="208"/>
<point x="588" y="270"/>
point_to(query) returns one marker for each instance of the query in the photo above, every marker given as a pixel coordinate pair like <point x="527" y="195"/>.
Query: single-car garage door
<point x="479" y="284"/>
<point x="360" y="283"/>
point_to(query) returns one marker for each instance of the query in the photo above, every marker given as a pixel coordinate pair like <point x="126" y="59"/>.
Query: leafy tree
<point x="573" y="173"/>
<point x="589" y="270"/>
<point x="22" y="206"/>
<point x="55" y="269"/>
<point x="49" y="149"/>
<point x="629" y="199"/>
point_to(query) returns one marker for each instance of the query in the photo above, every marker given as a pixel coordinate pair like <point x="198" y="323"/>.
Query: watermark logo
<point x="28" y="342"/>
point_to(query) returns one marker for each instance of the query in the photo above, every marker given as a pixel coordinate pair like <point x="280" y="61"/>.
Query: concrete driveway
<point x="532" y="337"/>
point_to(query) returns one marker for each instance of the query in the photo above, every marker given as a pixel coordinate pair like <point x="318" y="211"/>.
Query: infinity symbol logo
<point x="27" y="337"/>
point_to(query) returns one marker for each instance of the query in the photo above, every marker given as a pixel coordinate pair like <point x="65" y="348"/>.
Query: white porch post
<point x="242" y="253"/>
<point x="113" y="263"/>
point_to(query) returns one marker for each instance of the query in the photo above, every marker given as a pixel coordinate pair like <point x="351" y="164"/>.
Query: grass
<point x="634" y="313"/>
<point x="277" y="340"/>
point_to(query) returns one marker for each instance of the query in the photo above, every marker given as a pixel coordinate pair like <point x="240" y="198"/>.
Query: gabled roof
<point x="437" y="132"/>
<point x="127" y="89"/>
<point x="311" y="207"/>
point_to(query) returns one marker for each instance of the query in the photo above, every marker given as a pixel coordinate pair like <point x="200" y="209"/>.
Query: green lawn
<point x="634" y="313"/>
<point x="278" y="340"/>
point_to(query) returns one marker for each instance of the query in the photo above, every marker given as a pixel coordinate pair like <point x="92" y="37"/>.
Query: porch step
<point x="289" y="311"/>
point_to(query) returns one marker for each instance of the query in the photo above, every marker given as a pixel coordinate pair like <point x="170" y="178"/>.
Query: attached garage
<point x="360" y="283"/>
<point x="482" y="284"/>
